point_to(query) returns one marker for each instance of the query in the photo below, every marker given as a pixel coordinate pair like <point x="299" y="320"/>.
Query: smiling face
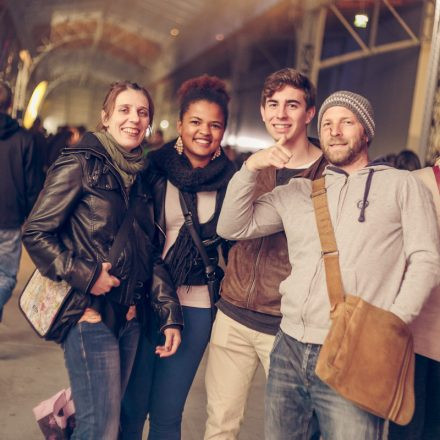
<point x="201" y="129"/>
<point x="129" y="120"/>
<point x="286" y="113"/>
<point x="343" y="138"/>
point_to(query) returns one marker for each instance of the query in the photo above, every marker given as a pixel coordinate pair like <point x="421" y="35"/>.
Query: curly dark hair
<point x="288" y="77"/>
<point x="204" y="88"/>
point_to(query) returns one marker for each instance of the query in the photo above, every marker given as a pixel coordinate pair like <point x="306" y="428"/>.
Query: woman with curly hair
<point x="196" y="166"/>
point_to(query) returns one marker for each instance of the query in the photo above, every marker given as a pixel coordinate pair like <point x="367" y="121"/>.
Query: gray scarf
<point x="128" y="163"/>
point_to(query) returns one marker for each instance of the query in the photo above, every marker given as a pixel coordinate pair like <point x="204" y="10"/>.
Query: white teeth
<point x="202" y="141"/>
<point x="130" y="130"/>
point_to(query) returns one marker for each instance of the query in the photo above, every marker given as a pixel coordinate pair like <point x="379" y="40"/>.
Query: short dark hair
<point x="204" y="88"/>
<point x="5" y="97"/>
<point x="288" y="77"/>
<point x="115" y="89"/>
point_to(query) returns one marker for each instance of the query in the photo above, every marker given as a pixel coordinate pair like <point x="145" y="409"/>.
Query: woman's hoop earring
<point x="178" y="146"/>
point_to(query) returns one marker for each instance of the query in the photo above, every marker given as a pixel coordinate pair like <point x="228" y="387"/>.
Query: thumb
<point x="106" y="266"/>
<point x="282" y="140"/>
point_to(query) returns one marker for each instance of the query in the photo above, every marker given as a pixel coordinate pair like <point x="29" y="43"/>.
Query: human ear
<point x="104" y="119"/>
<point x="262" y="113"/>
<point x="310" y="114"/>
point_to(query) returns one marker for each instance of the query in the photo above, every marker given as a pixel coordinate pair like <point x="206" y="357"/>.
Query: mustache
<point x="336" y="140"/>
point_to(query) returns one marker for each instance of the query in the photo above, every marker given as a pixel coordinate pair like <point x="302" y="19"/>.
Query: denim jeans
<point x="295" y="396"/>
<point x="163" y="393"/>
<point x="173" y="376"/>
<point x="425" y="424"/>
<point x="10" y="252"/>
<point x="99" y="366"/>
<point x="136" y="400"/>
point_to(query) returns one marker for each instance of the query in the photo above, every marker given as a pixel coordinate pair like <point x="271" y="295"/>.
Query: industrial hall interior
<point x="122" y="202"/>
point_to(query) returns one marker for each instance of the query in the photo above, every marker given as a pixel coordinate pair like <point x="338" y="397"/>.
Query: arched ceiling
<point x="132" y="39"/>
<point x="141" y="40"/>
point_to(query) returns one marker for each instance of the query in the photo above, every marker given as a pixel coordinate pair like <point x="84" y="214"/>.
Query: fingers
<point x="114" y="281"/>
<point x="281" y="141"/>
<point x="172" y="342"/>
<point x="278" y="155"/>
<point x="105" y="281"/>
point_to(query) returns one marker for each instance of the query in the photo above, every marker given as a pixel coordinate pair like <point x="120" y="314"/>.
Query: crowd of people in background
<point x="220" y="250"/>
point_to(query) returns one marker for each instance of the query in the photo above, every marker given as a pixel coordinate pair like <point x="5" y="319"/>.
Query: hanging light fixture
<point x="361" y="18"/>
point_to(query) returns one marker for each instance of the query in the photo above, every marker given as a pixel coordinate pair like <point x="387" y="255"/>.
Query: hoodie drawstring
<point x="361" y="218"/>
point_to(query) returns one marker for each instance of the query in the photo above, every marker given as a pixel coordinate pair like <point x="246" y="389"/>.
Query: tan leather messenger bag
<point x="368" y="355"/>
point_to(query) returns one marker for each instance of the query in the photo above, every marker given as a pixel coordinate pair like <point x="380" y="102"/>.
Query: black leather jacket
<point x="73" y="224"/>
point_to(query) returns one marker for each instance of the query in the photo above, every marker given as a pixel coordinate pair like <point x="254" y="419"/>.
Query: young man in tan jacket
<point x="389" y="255"/>
<point x="249" y="311"/>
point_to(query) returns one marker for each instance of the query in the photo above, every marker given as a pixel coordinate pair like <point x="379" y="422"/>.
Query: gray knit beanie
<point x="358" y="104"/>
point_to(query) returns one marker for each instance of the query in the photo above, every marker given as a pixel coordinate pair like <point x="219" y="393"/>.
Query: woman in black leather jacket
<point x="69" y="234"/>
<point x="196" y="166"/>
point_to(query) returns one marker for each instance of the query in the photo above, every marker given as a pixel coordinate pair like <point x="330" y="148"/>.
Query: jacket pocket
<point x="104" y="181"/>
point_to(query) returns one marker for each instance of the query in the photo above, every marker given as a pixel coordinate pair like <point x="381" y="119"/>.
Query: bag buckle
<point x="329" y="253"/>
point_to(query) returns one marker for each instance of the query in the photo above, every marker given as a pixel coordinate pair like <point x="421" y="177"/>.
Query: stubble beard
<point x="344" y="157"/>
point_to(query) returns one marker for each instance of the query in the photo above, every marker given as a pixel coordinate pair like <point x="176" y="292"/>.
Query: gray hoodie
<point x="391" y="258"/>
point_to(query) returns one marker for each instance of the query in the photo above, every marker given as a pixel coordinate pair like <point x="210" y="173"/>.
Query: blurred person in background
<point x="196" y="166"/>
<point x="69" y="234"/>
<point x="407" y="160"/>
<point x="155" y="140"/>
<point x="425" y="424"/>
<point x="21" y="178"/>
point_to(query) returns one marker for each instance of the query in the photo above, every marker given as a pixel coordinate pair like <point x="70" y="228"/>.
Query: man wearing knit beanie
<point x="389" y="253"/>
<point x="346" y="128"/>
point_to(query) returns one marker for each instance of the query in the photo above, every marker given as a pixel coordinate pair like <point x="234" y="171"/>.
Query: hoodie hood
<point x="8" y="126"/>
<point x="370" y="169"/>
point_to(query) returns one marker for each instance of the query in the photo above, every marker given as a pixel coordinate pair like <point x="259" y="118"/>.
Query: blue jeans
<point x="173" y="376"/>
<point x="295" y="395"/>
<point x="166" y="388"/>
<point x="10" y="253"/>
<point x="136" y="400"/>
<point x="425" y="424"/>
<point x="99" y="365"/>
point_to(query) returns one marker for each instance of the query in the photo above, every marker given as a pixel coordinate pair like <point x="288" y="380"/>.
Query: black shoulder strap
<point x="122" y="235"/>
<point x="209" y="268"/>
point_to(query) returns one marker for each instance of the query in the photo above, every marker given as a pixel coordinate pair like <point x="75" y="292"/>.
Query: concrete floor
<point x="32" y="370"/>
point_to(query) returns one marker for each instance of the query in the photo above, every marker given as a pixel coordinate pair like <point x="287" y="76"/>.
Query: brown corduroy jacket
<point x="256" y="267"/>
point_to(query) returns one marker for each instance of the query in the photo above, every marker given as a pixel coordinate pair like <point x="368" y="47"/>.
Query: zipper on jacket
<point x="107" y="163"/>
<point x="315" y="277"/>
<point x="161" y="230"/>
<point x="257" y="260"/>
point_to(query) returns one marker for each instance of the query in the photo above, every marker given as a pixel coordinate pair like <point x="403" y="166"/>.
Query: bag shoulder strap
<point x="187" y="215"/>
<point x="329" y="247"/>
<point x="122" y="235"/>
<point x="436" y="169"/>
